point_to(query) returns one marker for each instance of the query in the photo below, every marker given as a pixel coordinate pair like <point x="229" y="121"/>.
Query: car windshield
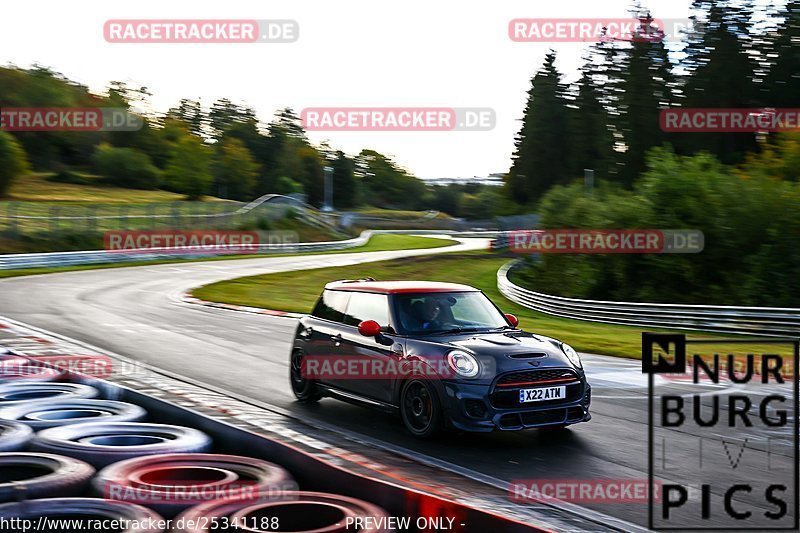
<point x="448" y="312"/>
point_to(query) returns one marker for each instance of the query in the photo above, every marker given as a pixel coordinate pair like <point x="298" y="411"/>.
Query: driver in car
<point x="428" y="313"/>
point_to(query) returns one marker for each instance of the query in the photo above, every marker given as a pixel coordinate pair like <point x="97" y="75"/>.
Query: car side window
<point x="331" y="305"/>
<point x="367" y="306"/>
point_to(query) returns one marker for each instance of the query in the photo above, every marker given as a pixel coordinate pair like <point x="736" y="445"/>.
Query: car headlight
<point x="464" y="364"/>
<point x="572" y="355"/>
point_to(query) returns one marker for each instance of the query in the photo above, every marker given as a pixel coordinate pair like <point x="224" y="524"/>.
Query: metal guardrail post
<point x="150" y="211"/>
<point x="122" y="215"/>
<point x="12" y="227"/>
<point x="176" y="215"/>
<point x="53" y="214"/>
<point x="90" y="212"/>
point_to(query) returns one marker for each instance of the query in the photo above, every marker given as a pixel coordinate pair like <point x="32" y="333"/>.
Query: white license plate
<point x="542" y="394"/>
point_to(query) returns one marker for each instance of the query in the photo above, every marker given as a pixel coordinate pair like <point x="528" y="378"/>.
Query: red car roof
<point x="396" y="287"/>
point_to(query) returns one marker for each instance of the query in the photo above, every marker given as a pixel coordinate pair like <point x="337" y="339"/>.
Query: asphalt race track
<point x="138" y="312"/>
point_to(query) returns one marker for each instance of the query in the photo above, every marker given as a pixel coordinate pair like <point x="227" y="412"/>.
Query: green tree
<point x="189" y="169"/>
<point x="590" y="140"/>
<point x="311" y="174"/>
<point x="735" y="210"/>
<point x="344" y="181"/>
<point x="539" y="160"/>
<point x="778" y="157"/>
<point x="386" y="184"/>
<point x="126" y="167"/>
<point x="260" y="147"/>
<point x="447" y="199"/>
<point x="13" y="161"/>
<point x="645" y="87"/>
<point x="721" y="74"/>
<point x="190" y="112"/>
<point x="286" y="185"/>
<point x="234" y="169"/>
<point x="782" y="84"/>
<point x="224" y="114"/>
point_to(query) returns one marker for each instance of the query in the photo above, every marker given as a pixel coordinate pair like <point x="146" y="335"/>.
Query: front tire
<point x="420" y="408"/>
<point x="305" y="390"/>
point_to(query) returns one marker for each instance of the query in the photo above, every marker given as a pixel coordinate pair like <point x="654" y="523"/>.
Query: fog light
<point x="475" y="408"/>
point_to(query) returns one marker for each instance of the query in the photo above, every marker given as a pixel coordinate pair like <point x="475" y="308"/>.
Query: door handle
<point x="336" y="339"/>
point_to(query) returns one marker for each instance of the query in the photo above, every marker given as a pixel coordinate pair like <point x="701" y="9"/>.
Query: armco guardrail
<point x="90" y="257"/>
<point x="766" y="321"/>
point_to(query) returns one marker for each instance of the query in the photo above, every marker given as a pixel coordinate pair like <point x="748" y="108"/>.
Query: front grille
<point x="509" y="398"/>
<point x="535" y="418"/>
<point x="535" y="377"/>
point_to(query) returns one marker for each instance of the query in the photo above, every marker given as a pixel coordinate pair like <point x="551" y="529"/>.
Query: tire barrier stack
<point x="39" y="415"/>
<point x="69" y="454"/>
<point x="13" y="394"/>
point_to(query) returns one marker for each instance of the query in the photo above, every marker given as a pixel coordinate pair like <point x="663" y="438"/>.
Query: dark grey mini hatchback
<point x="441" y="355"/>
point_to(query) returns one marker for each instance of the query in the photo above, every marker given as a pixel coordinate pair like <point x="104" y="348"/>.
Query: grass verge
<point x="297" y="292"/>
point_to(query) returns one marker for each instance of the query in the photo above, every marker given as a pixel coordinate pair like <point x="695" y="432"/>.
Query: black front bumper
<point x="480" y="408"/>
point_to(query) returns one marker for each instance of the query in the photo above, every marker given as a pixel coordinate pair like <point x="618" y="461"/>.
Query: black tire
<point x="305" y="390"/>
<point x="420" y="408"/>
<point x="100" y="443"/>
<point x="14" y="436"/>
<point x="12" y="394"/>
<point x="135" y="518"/>
<point x="171" y="483"/>
<point x="29" y="475"/>
<point x="294" y="511"/>
<point x="43" y="415"/>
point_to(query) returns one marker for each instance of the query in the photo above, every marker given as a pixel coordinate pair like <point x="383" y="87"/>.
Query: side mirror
<point x="369" y="328"/>
<point x="514" y="321"/>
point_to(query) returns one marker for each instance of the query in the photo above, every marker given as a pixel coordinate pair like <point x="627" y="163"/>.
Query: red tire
<point x="170" y="483"/>
<point x="294" y="511"/>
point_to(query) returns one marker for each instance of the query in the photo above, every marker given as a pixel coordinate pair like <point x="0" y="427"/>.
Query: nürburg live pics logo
<point x="722" y="432"/>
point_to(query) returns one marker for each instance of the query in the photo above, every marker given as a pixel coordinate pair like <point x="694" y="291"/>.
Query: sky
<point x="350" y="53"/>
